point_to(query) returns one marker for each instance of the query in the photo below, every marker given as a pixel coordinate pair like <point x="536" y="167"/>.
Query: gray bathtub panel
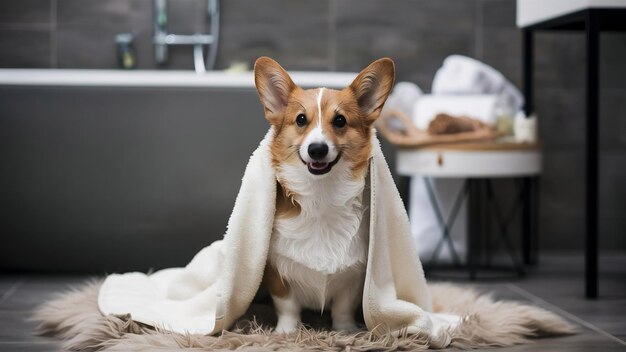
<point x="117" y="179"/>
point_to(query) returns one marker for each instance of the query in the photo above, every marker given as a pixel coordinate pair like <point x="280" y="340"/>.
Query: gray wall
<point x="348" y="34"/>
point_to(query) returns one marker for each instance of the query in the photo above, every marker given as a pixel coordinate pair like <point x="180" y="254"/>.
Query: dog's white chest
<point x="329" y="240"/>
<point x="321" y="256"/>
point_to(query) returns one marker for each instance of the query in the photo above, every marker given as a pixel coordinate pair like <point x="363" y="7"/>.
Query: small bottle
<point x="525" y="128"/>
<point x="126" y="58"/>
<point x="504" y="115"/>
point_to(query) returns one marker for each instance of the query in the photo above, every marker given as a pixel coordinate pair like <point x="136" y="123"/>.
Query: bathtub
<point x="106" y="171"/>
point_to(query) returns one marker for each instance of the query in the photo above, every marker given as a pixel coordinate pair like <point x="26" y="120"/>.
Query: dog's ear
<point x="372" y="87"/>
<point x="274" y="87"/>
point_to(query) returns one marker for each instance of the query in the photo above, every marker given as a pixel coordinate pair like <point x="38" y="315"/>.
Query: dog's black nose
<point x="318" y="151"/>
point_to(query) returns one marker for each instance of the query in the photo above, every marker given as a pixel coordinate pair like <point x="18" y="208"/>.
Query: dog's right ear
<point x="274" y="87"/>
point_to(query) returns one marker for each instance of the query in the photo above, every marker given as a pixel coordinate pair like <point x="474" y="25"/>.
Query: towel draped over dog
<point x="218" y="285"/>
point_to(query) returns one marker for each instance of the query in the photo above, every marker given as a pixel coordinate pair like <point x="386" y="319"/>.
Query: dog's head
<point x="318" y="128"/>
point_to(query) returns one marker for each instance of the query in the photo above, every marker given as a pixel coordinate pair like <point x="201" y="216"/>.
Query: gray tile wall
<point x="348" y="34"/>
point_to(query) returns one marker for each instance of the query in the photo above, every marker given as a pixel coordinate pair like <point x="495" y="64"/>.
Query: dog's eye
<point x="339" y="121"/>
<point x="301" y="120"/>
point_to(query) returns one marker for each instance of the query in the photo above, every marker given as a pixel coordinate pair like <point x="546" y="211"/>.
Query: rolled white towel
<point x="464" y="75"/>
<point x="479" y="107"/>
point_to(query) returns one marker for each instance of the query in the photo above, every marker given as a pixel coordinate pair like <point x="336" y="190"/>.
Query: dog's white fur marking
<point x="319" y="107"/>
<point x="322" y="252"/>
<point x="317" y="136"/>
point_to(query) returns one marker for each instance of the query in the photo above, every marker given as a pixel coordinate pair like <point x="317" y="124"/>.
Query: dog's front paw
<point x="344" y="326"/>
<point x="286" y="325"/>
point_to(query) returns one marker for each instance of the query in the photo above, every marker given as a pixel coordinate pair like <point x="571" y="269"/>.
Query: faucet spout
<point x="198" y="59"/>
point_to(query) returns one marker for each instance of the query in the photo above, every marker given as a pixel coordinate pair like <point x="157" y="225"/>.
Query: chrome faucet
<point x="162" y="39"/>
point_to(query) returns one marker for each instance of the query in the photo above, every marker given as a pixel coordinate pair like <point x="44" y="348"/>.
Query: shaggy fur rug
<point x="74" y="317"/>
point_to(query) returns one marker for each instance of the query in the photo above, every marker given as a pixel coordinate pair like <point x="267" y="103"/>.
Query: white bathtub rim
<point x="155" y="78"/>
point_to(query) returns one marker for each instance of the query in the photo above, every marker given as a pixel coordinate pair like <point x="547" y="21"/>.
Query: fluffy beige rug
<point x="74" y="317"/>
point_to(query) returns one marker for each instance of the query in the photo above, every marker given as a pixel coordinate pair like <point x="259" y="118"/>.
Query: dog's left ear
<point x="372" y="87"/>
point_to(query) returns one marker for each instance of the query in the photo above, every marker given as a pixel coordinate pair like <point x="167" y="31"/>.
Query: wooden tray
<point x="415" y="138"/>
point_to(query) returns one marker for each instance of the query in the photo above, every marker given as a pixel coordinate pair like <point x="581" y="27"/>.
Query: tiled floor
<point x="555" y="284"/>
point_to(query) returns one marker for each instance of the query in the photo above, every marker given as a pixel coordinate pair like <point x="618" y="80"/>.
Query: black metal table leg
<point x="526" y="219"/>
<point x="534" y="231"/>
<point x="529" y="212"/>
<point x="591" y="155"/>
<point x="474" y="229"/>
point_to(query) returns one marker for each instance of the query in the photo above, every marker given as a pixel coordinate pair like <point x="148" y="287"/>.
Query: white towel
<point x="217" y="287"/>
<point x="464" y="75"/>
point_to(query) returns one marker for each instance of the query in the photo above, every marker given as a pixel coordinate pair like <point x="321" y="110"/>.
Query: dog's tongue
<point x="318" y="166"/>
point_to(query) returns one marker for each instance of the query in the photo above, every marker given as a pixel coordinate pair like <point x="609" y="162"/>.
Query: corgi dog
<point x="321" y="146"/>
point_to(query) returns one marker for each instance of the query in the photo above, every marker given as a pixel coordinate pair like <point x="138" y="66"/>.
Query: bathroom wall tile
<point x="559" y="59"/>
<point x="499" y="44"/>
<point x="561" y="117"/>
<point x="612" y="195"/>
<point x="86" y="32"/>
<point x="612" y="60"/>
<point x="87" y="29"/>
<point x="442" y="15"/>
<point x="294" y="33"/>
<point x="418" y="35"/>
<point x="498" y="13"/>
<point x="93" y="47"/>
<point x="613" y="120"/>
<point x="86" y="47"/>
<point x="187" y="16"/>
<point x="25" y="12"/>
<point x="25" y="48"/>
<point x="562" y="131"/>
<point x="110" y="13"/>
<point x="561" y="222"/>
<point x="417" y="55"/>
<point x="562" y="200"/>
<point x="502" y="49"/>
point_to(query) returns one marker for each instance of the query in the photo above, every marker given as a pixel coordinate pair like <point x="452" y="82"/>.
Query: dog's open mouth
<point x="320" y="168"/>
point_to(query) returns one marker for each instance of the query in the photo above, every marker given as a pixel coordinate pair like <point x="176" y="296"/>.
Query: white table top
<point x="531" y="12"/>
<point x="468" y="163"/>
